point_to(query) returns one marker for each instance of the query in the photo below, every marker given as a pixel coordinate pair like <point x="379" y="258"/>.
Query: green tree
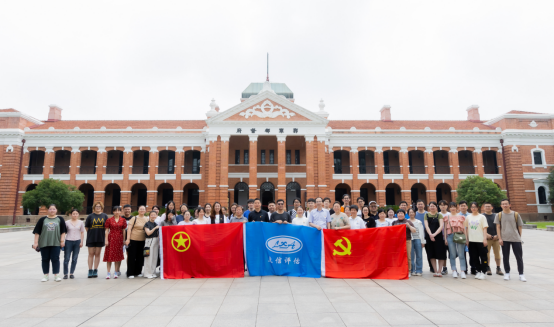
<point x="479" y="189"/>
<point x="53" y="191"/>
<point x="550" y="180"/>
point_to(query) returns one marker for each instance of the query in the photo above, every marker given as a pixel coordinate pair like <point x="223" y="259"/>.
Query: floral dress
<point x="114" y="249"/>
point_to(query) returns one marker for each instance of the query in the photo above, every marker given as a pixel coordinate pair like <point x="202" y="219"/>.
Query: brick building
<point x="269" y="147"/>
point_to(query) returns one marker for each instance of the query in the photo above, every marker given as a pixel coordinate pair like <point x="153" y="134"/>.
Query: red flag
<point x="377" y="253"/>
<point x="202" y="251"/>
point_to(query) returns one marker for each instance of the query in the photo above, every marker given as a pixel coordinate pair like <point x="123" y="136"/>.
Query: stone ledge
<point x="528" y="226"/>
<point x="16" y="229"/>
<point x="550" y="228"/>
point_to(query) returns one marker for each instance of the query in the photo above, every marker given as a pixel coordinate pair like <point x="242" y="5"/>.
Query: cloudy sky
<point x="124" y="60"/>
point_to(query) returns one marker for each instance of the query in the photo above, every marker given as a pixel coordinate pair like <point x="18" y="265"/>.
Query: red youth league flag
<point x="377" y="253"/>
<point x="202" y="251"/>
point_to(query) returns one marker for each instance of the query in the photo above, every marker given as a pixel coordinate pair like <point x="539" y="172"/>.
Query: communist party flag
<point x="377" y="253"/>
<point x="202" y="251"/>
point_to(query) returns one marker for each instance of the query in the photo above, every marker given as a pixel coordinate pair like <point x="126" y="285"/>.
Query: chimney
<point x="55" y="113"/>
<point x="473" y="113"/>
<point x="385" y="113"/>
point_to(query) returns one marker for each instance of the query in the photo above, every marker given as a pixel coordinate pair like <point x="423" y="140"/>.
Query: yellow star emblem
<point x="180" y="244"/>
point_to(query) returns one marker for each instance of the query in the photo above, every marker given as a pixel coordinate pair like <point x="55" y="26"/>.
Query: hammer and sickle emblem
<point x="345" y="250"/>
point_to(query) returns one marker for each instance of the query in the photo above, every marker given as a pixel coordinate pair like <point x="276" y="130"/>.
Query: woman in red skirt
<point x="115" y="230"/>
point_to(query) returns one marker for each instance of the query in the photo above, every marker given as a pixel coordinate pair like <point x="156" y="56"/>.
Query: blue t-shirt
<point x="179" y="218"/>
<point x="245" y="214"/>
<point x="421" y="217"/>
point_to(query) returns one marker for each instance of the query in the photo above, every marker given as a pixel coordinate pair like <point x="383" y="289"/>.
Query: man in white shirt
<point x="355" y="221"/>
<point x="270" y="208"/>
<point x="319" y="218"/>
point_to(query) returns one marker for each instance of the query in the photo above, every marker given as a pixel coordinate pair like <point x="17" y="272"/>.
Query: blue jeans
<point x="417" y="259"/>
<point x="456" y="250"/>
<point x="50" y="253"/>
<point x="71" y="247"/>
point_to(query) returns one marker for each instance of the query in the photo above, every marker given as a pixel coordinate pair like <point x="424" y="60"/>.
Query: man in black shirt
<point x="373" y="210"/>
<point x="127" y="212"/>
<point x="280" y="216"/>
<point x="258" y="214"/>
<point x="492" y="239"/>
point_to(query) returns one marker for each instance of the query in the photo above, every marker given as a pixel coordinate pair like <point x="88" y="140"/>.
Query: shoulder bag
<point x="458" y="237"/>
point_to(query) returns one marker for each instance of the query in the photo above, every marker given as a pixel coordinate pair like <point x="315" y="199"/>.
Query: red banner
<point x="377" y="253"/>
<point x="202" y="251"/>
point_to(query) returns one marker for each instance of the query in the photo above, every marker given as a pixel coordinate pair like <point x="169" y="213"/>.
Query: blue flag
<point x="282" y="250"/>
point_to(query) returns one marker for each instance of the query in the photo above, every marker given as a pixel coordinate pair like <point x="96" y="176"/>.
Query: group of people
<point x="442" y="228"/>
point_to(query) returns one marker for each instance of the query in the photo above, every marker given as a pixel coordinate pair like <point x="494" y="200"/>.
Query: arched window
<point x="293" y="192"/>
<point x="241" y="193"/>
<point x="542" y="195"/>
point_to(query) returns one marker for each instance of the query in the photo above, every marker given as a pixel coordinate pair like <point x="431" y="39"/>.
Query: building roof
<point x="409" y="124"/>
<point x="519" y="112"/>
<point x="279" y="88"/>
<point x="122" y="124"/>
<point x="8" y="110"/>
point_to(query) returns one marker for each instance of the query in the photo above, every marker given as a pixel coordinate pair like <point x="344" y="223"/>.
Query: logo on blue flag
<point x="282" y="250"/>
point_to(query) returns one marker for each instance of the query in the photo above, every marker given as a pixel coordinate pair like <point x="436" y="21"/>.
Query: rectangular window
<point x="296" y="157"/>
<point x="288" y="157"/>
<point x="246" y="157"/>
<point x="271" y="157"/>
<point x="237" y="157"/>
<point x="537" y="156"/>
<point x="262" y="157"/>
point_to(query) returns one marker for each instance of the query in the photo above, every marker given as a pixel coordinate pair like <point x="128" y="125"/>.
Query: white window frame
<point x="543" y="157"/>
<point x="542" y="208"/>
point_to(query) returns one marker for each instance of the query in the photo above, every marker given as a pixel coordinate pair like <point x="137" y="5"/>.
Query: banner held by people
<point x="202" y="251"/>
<point x="283" y="250"/>
<point x="377" y="253"/>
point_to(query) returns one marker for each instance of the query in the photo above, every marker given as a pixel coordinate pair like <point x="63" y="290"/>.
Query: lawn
<point x="542" y="224"/>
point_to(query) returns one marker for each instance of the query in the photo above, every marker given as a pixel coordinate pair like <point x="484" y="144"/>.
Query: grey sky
<point x="162" y="60"/>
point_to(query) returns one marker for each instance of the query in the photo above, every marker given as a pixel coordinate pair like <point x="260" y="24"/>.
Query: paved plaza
<point x="273" y="301"/>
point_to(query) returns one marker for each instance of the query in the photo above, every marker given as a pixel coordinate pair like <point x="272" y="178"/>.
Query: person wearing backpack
<point x="509" y="227"/>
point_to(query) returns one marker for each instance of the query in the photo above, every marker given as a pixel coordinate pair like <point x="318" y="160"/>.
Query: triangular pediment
<point x="267" y="107"/>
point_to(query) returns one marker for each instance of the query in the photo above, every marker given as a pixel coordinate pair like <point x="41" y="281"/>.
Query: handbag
<point x="147" y="244"/>
<point x="458" y="237"/>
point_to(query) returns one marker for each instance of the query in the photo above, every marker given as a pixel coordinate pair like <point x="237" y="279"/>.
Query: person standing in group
<point x="356" y="222"/>
<point x="186" y="219"/>
<point x="339" y="220"/>
<point x="115" y="233"/>
<point x="391" y="215"/>
<point x="319" y="218"/>
<point x="280" y="216"/>
<point x="201" y="220"/>
<point x="271" y="207"/>
<point x="311" y="206"/>
<point x="345" y="201"/>
<point x="225" y="214"/>
<point x="295" y="204"/>
<point x="368" y="220"/>
<point x="250" y="205"/>
<point x="169" y="206"/>
<point x="183" y="208"/>
<point x="216" y="215"/>
<point x="373" y="210"/>
<point x="476" y="225"/>
<point x="492" y="240"/>
<point x="327" y="205"/>
<point x="207" y="211"/>
<point x="238" y="217"/>
<point x="300" y="219"/>
<point x="49" y="234"/>
<point x="152" y="242"/>
<point x="418" y="242"/>
<point x="169" y="220"/>
<point x="361" y="204"/>
<point x="420" y="215"/>
<point x="258" y="214"/>
<point x="156" y="209"/>
<point x="127" y="212"/>
<point x="509" y="228"/>
<point x="233" y="208"/>
<point x="135" y="242"/>
<point x="401" y="215"/>
<point x="96" y="237"/>
<point x="443" y="209"/>
<point x="73" y="243"/>
<point x="197" y="213"/>
<point x="454" y="226"/>
<point x="435" y="247"/>
<point x="462" y="205"/>
<point x="382" y="221"/>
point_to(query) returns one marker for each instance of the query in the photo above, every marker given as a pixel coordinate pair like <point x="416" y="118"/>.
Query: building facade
<point x="269" y="147"/>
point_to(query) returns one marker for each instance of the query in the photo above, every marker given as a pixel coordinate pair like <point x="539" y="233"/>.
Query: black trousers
<point x="478" y="256"/>
<point x="518" y="253"/>
<point x="135" y="258"/>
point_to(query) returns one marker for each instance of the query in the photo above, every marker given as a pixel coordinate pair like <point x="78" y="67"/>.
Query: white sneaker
<point x="477" y="275"/>
<point x="108" y="276"/>
<point x="522" y="278"/>
<point x="507" y="276"/>
<point x="45" y="278"/>
<point x="115" y="275"/>
<point x="482" y="276"/>
<point x="462" y="275"/>
<point x="409" y="275"/>
<point x="140" y="275"/>
<point x="151" y="276"/>
<point x="131" y="277"/>
<point x="57" y="278"/>
<point x="454" y="274"/>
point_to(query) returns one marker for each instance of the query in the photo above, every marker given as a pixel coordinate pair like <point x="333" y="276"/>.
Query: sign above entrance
<point x="267" y="110"/>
